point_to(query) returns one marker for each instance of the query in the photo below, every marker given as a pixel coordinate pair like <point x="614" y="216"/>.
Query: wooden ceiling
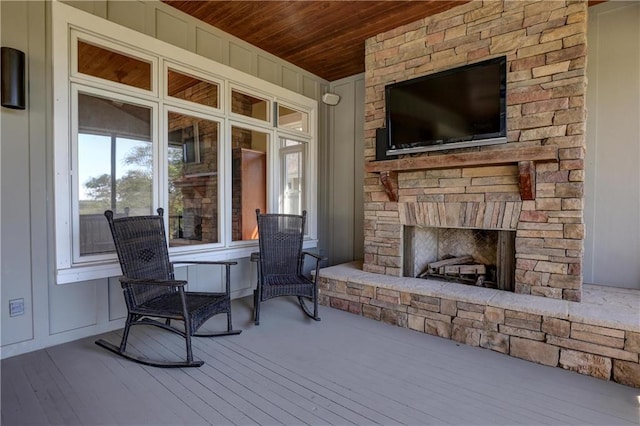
<point x="325" y="38"/>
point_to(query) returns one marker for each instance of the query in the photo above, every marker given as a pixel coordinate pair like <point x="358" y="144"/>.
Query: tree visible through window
<point x="115" y="167"/>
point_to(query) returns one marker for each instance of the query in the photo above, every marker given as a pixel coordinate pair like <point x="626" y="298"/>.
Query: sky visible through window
<point x="94" y="158"/>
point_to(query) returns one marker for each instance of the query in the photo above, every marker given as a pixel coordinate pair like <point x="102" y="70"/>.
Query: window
<point x="249" y="181"/>
<point x="192" y="166"/>
<point x="105" y="61"/>
<point x="249" y="106"/>
<point x="114" y="164"/>
<point x="292" y="170"/>
<point x="293" y="119"/>
<point x="192" y="89"/>
<point x="136" y="129"/>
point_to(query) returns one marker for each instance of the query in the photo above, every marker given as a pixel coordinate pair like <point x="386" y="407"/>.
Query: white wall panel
<point x="15" y="230"/>
<point x="346" y="156"/>
<point x="268" y="70"/>
<point x="612" y="187"/>
<point x="290" y="79"/>
<point x="358" y="168"/>
<point x="171" y="29"/>
<point x="98" y="8"/>
<point x="209" y="45"/>
<point x="311" y="87"/>
<point x="241" y="58"/>
<point x="130" y="14"/>
<point x="117" y="307"/>
<point x="80" y="302"/>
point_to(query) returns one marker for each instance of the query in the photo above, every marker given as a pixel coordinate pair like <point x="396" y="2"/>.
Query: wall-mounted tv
<point x="456" y="108"/>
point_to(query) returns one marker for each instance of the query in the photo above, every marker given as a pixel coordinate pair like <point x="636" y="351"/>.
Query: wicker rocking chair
<point x="152" y="293"/>
<point x="280" y="262"/>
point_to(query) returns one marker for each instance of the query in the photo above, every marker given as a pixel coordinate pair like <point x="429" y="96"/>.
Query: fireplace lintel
<point x="525" y="157"/>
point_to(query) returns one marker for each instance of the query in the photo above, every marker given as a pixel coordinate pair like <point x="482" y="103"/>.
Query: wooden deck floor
<point x="289" y="370"/>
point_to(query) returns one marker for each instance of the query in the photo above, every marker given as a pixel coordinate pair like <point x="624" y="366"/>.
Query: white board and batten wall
<point x="346" y="180"/>
<point x="612" y="186"/>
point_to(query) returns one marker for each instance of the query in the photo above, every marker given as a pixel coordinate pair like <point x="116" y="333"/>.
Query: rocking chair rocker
<point x="152" y="293"/>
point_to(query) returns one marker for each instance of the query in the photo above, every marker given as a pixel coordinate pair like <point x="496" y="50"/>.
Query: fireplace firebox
<point x="478" y="257"/>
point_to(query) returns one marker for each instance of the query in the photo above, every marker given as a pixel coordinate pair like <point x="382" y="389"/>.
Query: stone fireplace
<point x="530" y="189"/>
<point x="532" y="185"/>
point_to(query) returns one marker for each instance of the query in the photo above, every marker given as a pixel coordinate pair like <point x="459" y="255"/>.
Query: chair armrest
<point x="317" y="256"/>
<point x="205" y="262"/>
<point x="143" y="281"/>
<point x="226" y="263"/>
<point x="318" y="259"/>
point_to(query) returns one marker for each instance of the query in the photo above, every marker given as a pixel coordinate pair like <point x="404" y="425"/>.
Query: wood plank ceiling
<point x="325" y="38"/>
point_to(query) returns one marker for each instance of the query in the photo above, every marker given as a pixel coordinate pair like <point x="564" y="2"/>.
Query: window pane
<point x="292" y="119"/>
<point x="249" y="106"/>
<point x="292" y="156"/>
<point x="114" y="166"/>
<point x="249" y="181"/>
<point x="193" y="180"/>
<point x="113" y="66"/>
<point x="192" y="89"/>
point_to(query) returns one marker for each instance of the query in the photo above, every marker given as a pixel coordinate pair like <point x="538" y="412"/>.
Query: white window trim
<point x="64" y="19"/>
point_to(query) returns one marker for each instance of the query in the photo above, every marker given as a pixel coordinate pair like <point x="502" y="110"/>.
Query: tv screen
<point x="456" y="108"/>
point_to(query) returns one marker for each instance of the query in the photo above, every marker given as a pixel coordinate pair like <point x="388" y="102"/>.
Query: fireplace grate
<point x="463" y="269"/>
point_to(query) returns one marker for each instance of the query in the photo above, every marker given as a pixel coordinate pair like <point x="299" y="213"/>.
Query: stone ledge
<point x="597" y="337"/>
<point x="595" y="310"/>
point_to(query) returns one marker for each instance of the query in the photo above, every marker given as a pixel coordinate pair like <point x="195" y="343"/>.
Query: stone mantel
<point x="525" y="157"/>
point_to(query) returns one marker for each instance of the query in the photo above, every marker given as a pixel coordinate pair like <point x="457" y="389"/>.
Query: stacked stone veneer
<point x="545" y="46"/>
<point x="549" y="333"/>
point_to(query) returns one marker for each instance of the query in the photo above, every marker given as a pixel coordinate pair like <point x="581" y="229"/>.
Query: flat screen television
<point x="456" y="108"/>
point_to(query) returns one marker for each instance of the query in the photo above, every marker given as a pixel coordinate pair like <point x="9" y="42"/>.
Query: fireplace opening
<point x="479" y="257"/>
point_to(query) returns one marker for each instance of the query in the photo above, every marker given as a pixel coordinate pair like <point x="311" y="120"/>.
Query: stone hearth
<point x="510" y="186"/>
<point x="598" y="337"/>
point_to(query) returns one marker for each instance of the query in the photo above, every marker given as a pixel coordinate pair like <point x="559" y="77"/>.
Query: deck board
<point x="343" y="370"/>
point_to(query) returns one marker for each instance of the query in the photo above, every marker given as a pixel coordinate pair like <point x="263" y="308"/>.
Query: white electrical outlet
<point x="16" y="307"/>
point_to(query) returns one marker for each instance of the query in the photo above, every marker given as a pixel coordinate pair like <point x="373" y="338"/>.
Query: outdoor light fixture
<point x="331" y="99"/>
<point x="13" y="82"/>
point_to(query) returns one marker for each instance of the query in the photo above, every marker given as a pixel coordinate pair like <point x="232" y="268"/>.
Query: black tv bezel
<point x="476" y="140"/>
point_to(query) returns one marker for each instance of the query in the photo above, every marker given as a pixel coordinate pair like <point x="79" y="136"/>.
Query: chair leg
<point x="187" y="338"/>
<point x="256" y="307"/>
<point x="229" y="320"/>
<point x="125" y="332"/>
<point x="315" y="300"/>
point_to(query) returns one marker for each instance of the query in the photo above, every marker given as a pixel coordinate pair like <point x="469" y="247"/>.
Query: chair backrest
<point x="141" y="246"/>
<point x="280" y="239"/>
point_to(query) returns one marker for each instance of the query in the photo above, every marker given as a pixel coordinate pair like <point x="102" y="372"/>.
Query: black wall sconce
<point x="13" y="82"/>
